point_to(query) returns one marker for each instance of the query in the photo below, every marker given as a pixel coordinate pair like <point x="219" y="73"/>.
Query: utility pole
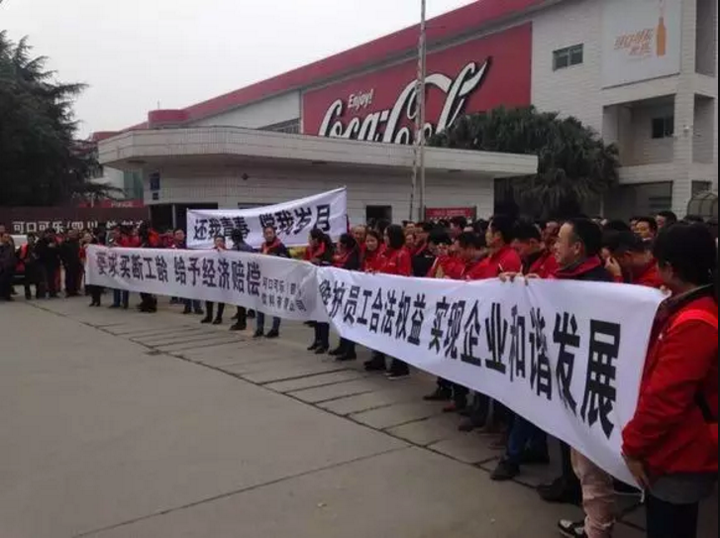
<point x="419" y="142"/>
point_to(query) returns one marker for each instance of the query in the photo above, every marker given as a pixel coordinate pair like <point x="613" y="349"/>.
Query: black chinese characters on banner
<point x="233" y="275"/>
<point x="504" y="342"/>
<point x="287" y="222"/>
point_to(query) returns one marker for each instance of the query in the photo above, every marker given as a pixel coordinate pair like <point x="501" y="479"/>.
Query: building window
<point x="289" y="127"/>
<point x="663" y="127"/>
<point x="659" y="203"/>
<point x="567" y="57"/>
<point x="699" y="187"/>
<point x="378" y="212"/>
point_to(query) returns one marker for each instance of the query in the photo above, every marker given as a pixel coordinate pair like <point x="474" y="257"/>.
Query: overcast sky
<point x="135" y="54"/>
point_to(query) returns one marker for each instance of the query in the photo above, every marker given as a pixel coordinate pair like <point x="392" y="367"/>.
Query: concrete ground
<point x="117" y="424"/>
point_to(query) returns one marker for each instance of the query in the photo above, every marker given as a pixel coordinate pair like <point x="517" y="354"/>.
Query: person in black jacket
<point x="422" y="256"/>
<point x="70" y="256"/>
<point x="348" y="258"/>
<point x="320" y="252"/>
<point x="48" y="253"/>
<point x="7" y="266"/>
<point x="239" y="245"/>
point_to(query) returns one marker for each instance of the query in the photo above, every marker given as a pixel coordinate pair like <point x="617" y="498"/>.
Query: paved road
<point x="118" y="424"/>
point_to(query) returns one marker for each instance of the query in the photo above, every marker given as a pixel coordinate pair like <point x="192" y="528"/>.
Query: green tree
<point x="575" y="165"/>
<point x="41" y="163"/>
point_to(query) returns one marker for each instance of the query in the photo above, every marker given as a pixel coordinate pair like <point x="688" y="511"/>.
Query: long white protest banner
<point x="276" y="286"/>
<point x="292" y="221"/>
<point x="567" y="356"/>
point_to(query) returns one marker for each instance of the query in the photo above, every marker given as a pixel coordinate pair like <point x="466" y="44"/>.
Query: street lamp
<point x="419" y="142"/>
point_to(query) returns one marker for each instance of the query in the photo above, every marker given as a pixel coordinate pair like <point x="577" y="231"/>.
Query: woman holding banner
<point x="671" y="444"/>
<point x="396" y="260"/>
<point x="348" y="258"/>
<point x="373" y="252"/>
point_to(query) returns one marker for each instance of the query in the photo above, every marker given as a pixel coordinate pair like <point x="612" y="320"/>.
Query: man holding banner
<point x="271" y="247"/>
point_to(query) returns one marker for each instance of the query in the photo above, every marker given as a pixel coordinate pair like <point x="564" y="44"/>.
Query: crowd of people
<point x="670" y="445"/>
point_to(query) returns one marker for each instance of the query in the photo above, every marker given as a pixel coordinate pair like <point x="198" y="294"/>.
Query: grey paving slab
<point x="404" y="494"/>
<point x="428" y="431"/>
<point x="470" y="448"/>
<point x="206" y="343"/>
<point x="396" y="414"/>
<point x="260" y="364"/>
<point x="338" y="390"/>
<point x="126" y="331"/>
<point x="293" y="371"/>
<point x="185" y="337"/>
<point x="316" y="381"/>
<point x="365" y="402"/>
<point x="165" y="334"/>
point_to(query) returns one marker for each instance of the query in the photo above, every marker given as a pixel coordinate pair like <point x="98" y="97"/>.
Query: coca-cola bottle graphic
<point x="661" y="33"/>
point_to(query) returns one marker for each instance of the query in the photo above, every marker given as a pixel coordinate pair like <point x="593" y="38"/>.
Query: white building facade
<point x="643" y="73"/>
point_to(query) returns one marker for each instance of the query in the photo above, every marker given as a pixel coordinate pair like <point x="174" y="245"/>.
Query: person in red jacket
<point x="396" y="258"/>
<point x="372" y="254"/>
<point x="577" y="251"/>
<point x="670" y="445"/>
<point x="537" y="259"/>
<point x="630" y="260"/>
<point x="347" y="257"/>
<point x="396" y="261"/>
<point x="444" y="266"/>
<point x="502" y="258"/>
<point x="485" y="263"/>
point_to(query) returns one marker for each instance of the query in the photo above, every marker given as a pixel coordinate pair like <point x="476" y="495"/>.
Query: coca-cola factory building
<point x="640" y="72"/>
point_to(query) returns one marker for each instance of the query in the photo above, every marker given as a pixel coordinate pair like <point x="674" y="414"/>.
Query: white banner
<point x="292" y="221"/>
<point x="567" y="356"/>
<point x="276" y="286"/>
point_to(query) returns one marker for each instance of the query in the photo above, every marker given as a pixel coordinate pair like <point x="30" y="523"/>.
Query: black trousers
<point x="210" y="308"/>
<point x="72" y="279"/>
<point x="347" y="346"/>
<point x="666" y="520"/>
<point x="241" y="316"/>
<point x="6" y="278"/>
<point x="95" y="293"/>
<point x="47" y="275"/>
<point x="148" y="302"/>
<point x="322" y="334"/>
<point x="34" y="276"/>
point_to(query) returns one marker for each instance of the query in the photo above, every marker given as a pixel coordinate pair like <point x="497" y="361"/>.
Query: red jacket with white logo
<point x="670" y="431"/>
<point x="543" y="265"/>
<point x="505" y="260"/>
<point x="396" y="262"/>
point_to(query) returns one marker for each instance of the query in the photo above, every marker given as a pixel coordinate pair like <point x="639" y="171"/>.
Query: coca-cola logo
<point x="395" y="125"/>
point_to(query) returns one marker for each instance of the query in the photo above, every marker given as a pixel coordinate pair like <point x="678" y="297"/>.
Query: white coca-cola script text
<point x="390" y="125"/>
